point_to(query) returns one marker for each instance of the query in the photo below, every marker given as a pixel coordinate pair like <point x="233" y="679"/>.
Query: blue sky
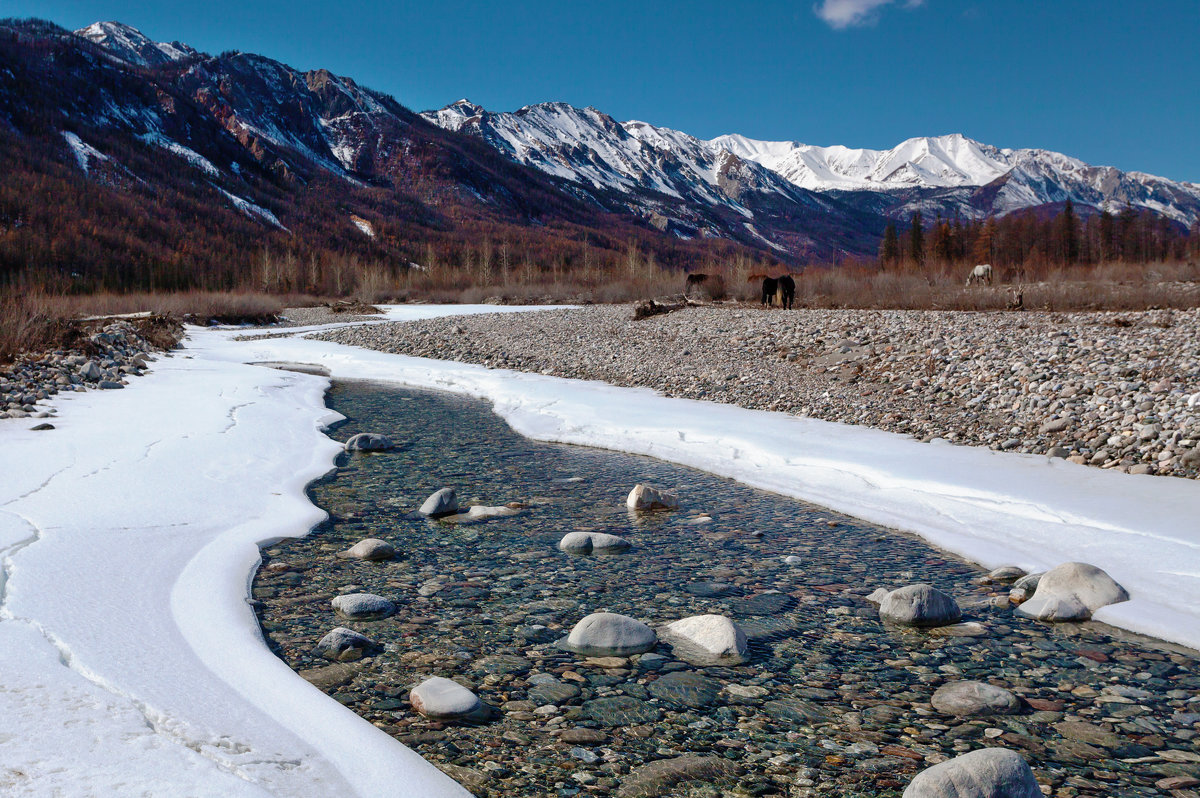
<point x="1110" y="82"/>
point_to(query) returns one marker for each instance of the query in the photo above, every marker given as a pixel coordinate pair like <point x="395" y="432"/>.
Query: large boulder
<point x="974" y="698"/>
<point x="607" y="634"/>
<point x="344" y="645"/>
<point x="442" y="502"/>
<point x="1072" y="592"/>
<point x="987" y="773"/>
<point x="592" y="543"/>
<point x="648" y="497"/>
<point x="443" y="699"/>
<point x="919" y="605"/>
<point x="370" y="549"/>
<point x="363" y="606"/>
<point x="706" y="640"/>
<point x="368" y="442"/>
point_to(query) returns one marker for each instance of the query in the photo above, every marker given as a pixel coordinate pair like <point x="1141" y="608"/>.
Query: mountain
<point x="947" y="174"/>
<point x="127" y="163"/>
<point x="947" y="171"/>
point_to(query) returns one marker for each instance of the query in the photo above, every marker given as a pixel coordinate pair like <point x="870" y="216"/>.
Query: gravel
<point x="1112" y="390"/>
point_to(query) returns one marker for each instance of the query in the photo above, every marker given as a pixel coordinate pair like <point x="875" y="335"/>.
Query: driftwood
<point x="656" y="307"/>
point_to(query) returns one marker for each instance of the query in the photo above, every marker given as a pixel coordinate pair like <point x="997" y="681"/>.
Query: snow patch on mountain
<point x="363" y="225"/>
<point x="132" y="46"/>
<point x="250" y="209"/>
<point x="191" y="156"/>
<point x="84" y="152"/>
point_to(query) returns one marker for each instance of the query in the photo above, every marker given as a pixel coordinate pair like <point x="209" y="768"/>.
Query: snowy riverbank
<point x="129" y="533"/>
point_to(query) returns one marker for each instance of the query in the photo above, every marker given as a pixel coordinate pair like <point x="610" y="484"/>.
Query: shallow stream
<point x="831" y="702"/>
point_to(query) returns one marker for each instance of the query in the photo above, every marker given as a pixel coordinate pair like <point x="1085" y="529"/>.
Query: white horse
<point x="980" y="274"/>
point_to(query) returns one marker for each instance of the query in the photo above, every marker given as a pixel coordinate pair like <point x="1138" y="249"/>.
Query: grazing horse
<point x="787" y="290"/>
<point x="770" y="286"/>
<point x="694" y="281"/>
<point x="980" y="274"/>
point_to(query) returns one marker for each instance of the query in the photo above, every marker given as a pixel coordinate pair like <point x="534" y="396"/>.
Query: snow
<point x="84" y="152"/>
<point x="250" y="209"/>
<point x="363" y="225"/>
<point x="189" y="155"/>
<point x="133" y="664"/>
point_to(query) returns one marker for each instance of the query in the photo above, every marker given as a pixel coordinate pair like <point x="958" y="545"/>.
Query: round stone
<point x="368" y="442"/>
<point x="363" y="606"/>
<point x="919" y="605"/>
<point x="441" y="502"/>
<point x="648" y="497"/>
<point x="1072" y="592"/>
<point x="370" y="549"/>
<point x="706" y="640"/>
<point x="986" y="773"/>
<point x="344" y="645"/>
<point x="974" y="698"/>
<point x="607" y="634"/>
<point x="443" y="699"/>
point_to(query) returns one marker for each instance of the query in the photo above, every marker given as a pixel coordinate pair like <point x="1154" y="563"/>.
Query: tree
<point x="889" y="248"/>
<point x="983" y="251"/>
<point x="1068" y="233"/>
<point x="916" y="240"/>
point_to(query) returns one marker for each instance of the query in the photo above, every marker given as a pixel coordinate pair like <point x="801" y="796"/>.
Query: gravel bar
<point x="1107" y="389"/>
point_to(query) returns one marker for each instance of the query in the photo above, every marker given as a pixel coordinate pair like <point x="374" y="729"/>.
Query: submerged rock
<point x="987" y="773"/>
<point x="919" y="605"/>
<point x="974" y="698"/>
<point x="1072" y="592"/>
<point x="664" y="775"/>
<point x="440" y="503"/>
<point x="444" y="699"/>
<point x="592" y="543"/>
<point x="479" y="512"/>
<point x="344" y="645"/>
<point x="607" y="634"/>
<point x="706" y="640"/>
<point x="370" y="549"/>
<point x="368" y="442"/>
<point x="363" y="606"/>
<point x="648" y="497"/>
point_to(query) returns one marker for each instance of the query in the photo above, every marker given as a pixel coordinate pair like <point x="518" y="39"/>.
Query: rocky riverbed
<point x="830" y="702"/>
<point x="1113" y="390"/>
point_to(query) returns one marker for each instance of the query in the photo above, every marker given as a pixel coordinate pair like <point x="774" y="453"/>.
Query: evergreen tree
<point x="889" y="248"/>
<point x="916" y="240"/>
<point x="1107" y="230"/>
<point x="1068" y="233"/>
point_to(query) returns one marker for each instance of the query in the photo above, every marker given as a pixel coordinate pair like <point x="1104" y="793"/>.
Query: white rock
<point x="974" y="698"/>
<point x="648" y="497"/>
<point x="607" y="634"/>
<point x="363" y="606"/>
<point x="443" y="699"/>
<point x="592" y="543"/>
<point x="442" y="502"/>
<point x="1072" y="592"/>
<point x="986" y="773"/>
<point x="919" y="605"/>
<point x="477" y="513"/>
<point x="370" y="549"/>
<point x="344" y="645"/>
<point x="368" y="442"/>
<point x="877" y="595"/>
<point x="706" y="640"/>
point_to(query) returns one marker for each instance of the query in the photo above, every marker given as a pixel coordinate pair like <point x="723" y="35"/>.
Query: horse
<point x="694" y="281"/>
<point x="787" y="291"/>
<point x="980" y="274"/>
<point x="769" y="286"/>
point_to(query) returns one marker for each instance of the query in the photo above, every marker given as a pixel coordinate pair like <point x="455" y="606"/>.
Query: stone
<point x="442" y="502"/>
<point x="592" y="543"/>
<point x="648" y="497"/>
<point x="363" y="606"/>
<point x="1003" y="574"/>
<point x="110" y="385"/>
<point x="706" y="640"/>
<point x="877" y="595"/>
<point x="552" y="692"/>
<point x="974" y="698"/>
<point x="368" y="442"/>
<point x="1072" y="592"/>
<point x="919" y="605"/>
<point x="769" y="602"/>
<point x="91" y="372"/>
<point x="370" y="549"/>
<point x="710" y="589"/>
<point x="986" y="773"/>
<point x="479" y="512"/>
<point x="621" y="710"/>
<point x="42" y="427"/>
<point x="344" y="645"/>
<point x="662" y="776"/>
<point x="605" y="634"/>
<point x="443" y="699"/>
<point x="796" y="712"/>
<point x="686" y="689"/>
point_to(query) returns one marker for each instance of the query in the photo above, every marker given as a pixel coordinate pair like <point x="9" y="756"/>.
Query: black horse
<point x="787" y="290"/>
<point x="694" y="281"/>
<point x="770" y="286"/>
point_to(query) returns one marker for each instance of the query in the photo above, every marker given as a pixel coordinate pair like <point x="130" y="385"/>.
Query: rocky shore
<point x="104" y="358"/>
<point x="1108" y="389"/>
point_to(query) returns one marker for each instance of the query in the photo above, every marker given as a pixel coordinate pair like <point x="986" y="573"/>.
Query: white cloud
<point x="848" y="13"/>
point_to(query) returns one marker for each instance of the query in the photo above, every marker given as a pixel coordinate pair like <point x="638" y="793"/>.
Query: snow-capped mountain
<point x="132" y="46"/>
<point x="951" y="174"/>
